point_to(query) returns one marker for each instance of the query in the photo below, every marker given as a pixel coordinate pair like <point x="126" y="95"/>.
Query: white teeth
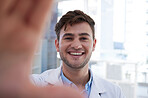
<point x="76" y="53"/>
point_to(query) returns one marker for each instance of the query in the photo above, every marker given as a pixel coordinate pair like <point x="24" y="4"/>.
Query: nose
<point x="76" y="44"/>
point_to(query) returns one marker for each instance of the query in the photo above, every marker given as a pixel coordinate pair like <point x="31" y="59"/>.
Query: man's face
<point x="75" y="45"/>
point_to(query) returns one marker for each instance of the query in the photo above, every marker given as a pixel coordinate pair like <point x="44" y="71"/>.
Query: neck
<point x="78" y="76"/>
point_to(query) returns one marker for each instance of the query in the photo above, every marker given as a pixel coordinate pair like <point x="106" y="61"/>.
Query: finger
<point x="63" y="92"/>
<point x="39" y="13"/>
<point x="6" y="5"/>
<point x="21" y="9"/>
<point x="58" y="92"/>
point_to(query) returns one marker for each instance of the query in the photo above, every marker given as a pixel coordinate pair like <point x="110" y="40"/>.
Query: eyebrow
<point x="68" y="34"/>
<point x="84" y="34"/>
<point x="81" y="34"/>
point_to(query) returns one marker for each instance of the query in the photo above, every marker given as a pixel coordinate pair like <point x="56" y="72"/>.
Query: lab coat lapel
<point x="97" y="88"/>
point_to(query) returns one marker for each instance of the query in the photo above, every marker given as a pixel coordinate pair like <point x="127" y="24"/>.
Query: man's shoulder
<point x="43" y="78"/>
<point x="107" y="88"/>
<point x="107" y="84"/>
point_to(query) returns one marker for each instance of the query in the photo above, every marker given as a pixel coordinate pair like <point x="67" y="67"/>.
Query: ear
<point x="57" y="45"/>
<point x="94" y="44"/>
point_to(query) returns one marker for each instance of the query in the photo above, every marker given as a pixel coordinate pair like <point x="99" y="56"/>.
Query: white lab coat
<point x="100" y="87"/>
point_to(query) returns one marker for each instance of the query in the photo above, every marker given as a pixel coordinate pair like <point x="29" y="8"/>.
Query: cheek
<point x="89" y="45"/>
<point x="62" y="47"/>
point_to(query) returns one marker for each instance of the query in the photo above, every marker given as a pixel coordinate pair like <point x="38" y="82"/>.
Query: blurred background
<point x="121" y="54"/>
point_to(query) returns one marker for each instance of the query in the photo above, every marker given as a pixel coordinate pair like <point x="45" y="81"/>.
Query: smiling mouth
<point x="76" y="53"/>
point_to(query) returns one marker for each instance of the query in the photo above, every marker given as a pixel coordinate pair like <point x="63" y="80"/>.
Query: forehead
<point x="77" y="29"/>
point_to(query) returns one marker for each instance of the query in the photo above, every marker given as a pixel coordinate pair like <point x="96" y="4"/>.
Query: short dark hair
<point x="74" y="17"/>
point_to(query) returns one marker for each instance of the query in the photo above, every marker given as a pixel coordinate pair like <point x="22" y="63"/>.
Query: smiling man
<point x="75" y="43"/>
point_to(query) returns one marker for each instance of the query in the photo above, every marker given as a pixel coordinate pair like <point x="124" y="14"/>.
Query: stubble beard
<point x="72" y="65"/>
